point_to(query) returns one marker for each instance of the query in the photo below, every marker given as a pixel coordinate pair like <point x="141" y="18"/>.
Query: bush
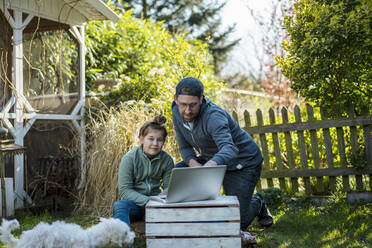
<point x="273" y="197"/>
<point x="328" y="54"/>
<point x="144" y="59"/>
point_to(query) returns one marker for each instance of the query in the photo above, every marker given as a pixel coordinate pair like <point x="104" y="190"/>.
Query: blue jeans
<point x="241" y="183"/>
<point x="126" y="211"/>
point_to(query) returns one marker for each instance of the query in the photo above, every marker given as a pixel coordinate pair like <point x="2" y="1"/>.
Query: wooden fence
<point x="326" y="154"/>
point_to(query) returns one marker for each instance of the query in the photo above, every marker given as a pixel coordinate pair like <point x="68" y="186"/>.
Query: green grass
<point x="298" y="223"/>
<point x="336" y="225"/>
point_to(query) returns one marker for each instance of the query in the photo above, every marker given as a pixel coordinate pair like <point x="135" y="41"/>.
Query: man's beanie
<point x="190" y="86"/>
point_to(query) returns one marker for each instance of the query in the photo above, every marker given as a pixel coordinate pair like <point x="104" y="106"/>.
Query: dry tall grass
<point x="110" y="134"/>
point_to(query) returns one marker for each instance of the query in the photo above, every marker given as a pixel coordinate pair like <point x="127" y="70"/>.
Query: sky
<point x="243" y="58"/>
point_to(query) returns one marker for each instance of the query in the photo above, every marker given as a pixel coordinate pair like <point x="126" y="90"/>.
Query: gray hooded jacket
<point x="217" y="136"/>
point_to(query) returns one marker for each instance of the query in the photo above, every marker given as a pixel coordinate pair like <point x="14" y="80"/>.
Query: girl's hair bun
<point x="159" y="119"/>
<point x="156" y="124"/>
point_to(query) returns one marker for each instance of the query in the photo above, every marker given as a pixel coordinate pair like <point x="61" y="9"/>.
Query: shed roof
<point x="71" y="12"/>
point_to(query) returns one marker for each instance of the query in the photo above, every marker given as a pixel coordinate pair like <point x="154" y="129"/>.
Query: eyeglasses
<point x="185" y="105"/>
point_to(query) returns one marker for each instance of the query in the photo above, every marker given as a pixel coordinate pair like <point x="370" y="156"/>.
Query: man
<point x="207" y="128"/>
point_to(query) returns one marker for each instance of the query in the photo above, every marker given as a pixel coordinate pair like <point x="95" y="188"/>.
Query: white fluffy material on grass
<point x="61" y="234"/>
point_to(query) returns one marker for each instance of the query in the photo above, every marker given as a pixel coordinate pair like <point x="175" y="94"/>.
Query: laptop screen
<point x="195" y="183"/>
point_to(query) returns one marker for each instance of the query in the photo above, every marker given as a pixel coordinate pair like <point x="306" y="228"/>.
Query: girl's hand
<point x="194" y="163"/>
<point x="162" y="195"/>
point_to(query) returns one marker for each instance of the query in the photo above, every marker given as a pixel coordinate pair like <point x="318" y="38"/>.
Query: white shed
<point x="52" y="90"/>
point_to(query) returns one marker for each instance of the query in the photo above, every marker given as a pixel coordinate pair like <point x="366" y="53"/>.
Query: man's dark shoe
<point x="264" y="217"/>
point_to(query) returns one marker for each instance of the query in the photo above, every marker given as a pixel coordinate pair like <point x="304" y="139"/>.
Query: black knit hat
<point x="190" y="86"/>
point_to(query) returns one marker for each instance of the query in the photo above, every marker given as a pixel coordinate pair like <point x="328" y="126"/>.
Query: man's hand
<point x="211" y="163"/>
<point x="194" y="163"/>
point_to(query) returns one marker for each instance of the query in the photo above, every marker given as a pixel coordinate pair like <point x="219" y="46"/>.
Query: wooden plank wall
<point x="314" y="153"/>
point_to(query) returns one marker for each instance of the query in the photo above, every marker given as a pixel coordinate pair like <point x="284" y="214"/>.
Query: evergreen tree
<point x="200" y="18"/>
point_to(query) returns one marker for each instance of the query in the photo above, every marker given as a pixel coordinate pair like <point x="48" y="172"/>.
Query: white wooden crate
<point x="214" y="223"/>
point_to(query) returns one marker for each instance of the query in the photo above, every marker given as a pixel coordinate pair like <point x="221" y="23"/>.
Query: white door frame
<point x="29" y="116"/>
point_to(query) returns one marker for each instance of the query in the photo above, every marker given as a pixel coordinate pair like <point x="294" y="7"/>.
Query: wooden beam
<point x="79" y="34"/>
<point x="19" y="132"/>
<point x="341" y="171"/>
<point x="311" y="125"/>
<point x="53" y="117"/>
<point x="104" y="9"/>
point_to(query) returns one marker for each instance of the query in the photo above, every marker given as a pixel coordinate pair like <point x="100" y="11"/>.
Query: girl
<point x="142" y="171"/>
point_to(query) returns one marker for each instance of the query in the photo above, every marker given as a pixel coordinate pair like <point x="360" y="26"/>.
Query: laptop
<point x="193" y="184"/>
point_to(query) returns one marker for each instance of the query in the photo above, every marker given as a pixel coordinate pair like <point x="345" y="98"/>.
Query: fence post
<point x="354" y="145"/>
<point x="315" y="148"/>
<point x="341" y="149"/>
<point x="288" y="144"/>
<point x="278" y="155"/>
<point x="264" y="147"/>
<point x="368" y="143"/>
<point x="235" y="116"/>
<point x="247" y="118"/>
<point x="247" y="121"/>
<point x="303" y="156"/>
<point x="328" y="148"/>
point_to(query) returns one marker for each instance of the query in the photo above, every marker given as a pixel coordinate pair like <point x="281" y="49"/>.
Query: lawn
<point x="299" y="222"/>
<point x="336" y="225"/>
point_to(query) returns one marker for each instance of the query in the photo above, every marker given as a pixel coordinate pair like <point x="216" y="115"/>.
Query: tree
<point x="268" y="46"/>
<point x="199" y="18"/>
<point x="329" y="53"/>
<point x="143" y="59"/>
